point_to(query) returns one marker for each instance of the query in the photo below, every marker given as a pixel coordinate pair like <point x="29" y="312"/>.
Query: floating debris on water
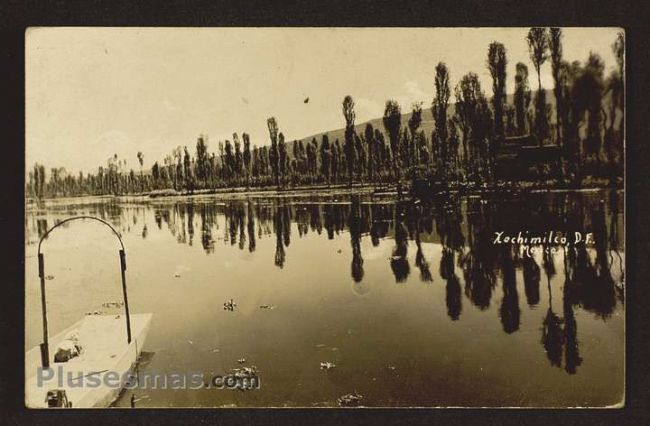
<point x="49" y="277"/>
<point x="267" y="307"/>
<point x="350" y="400"/>
<point x="93" y="313"/>
<point x="113" y="304"/>
<point x="320" y="345"/>
<point x="327" y="365"/>
<point x="190" y="342"/>
<point x="215" y="350"/>
<point x="229" y="305"/>
<point x="339" y="251"/>
<point x="247" y="377"/>
<point x="241" y="360"/>
<point x="247" y="371"/>
<point x="179" y="270"/>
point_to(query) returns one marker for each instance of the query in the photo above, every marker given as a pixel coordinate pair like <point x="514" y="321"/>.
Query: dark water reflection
<point x="448" y="245"/>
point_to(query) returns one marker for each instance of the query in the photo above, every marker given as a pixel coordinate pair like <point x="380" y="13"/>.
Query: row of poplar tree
<point x="585" y="122"/>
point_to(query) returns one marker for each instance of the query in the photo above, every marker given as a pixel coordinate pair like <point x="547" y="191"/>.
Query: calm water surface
<point x="413" y="303"/>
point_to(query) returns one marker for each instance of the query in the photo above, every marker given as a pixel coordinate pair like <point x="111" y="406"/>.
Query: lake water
<point x="413" y="303"/>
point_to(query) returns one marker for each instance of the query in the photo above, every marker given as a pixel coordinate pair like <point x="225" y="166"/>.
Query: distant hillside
<point x="427" y="125"/>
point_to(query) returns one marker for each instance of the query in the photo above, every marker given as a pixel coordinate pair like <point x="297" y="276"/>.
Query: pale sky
<point x="93" y="92"/>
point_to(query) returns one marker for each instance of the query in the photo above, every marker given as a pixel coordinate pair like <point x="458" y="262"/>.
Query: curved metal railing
<point x="45" y="353"/>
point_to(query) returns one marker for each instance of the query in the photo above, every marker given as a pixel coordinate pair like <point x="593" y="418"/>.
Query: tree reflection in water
<point x="355" y="240"/>
<point x="250" y="227"/>
<point x="423" y="224"/>
<point x="531" y="280"/>
<point x="278" y="229"/>
<point x="479" y="261"/>
<point x="552" y="333"/>
<point x="461" y="228"/>
<point x="399" y="262"/>
<point x="509" y="310"/>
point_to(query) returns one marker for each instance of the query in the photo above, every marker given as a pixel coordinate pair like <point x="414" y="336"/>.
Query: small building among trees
<point x="523" y="158"/>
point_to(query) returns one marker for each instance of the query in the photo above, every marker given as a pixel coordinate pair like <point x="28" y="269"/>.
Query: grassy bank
<point x="343" y="189"/>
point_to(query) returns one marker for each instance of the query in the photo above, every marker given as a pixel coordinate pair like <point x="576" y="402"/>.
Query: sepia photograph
<point x="324" y="217"/>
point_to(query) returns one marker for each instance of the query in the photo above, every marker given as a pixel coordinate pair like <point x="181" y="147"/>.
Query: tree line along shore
<point x="572" y="139"/>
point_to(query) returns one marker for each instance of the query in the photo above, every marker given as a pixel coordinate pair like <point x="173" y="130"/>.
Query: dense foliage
<point x="587" y="126"/>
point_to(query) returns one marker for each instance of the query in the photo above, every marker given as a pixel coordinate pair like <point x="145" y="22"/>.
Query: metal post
<point x="45" y="351"/>
<point x="45" y="359"/>
<point x="126" y="300"/>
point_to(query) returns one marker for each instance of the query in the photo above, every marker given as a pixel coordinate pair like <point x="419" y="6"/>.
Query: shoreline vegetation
<point x="371" y="189"/>
<point x="473" y="144"/>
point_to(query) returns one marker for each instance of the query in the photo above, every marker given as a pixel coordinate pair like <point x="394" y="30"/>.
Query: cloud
<point x="409" y="94"/>
<point x="170" y="107"/>
<point x="367" y="109"/>
<point x="413" y="94"/>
